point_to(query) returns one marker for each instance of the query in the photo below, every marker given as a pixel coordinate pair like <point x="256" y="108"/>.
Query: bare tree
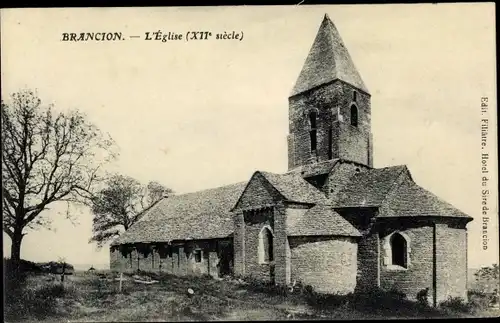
<point x="121" y="204"/>
<point x="47" y="157"/>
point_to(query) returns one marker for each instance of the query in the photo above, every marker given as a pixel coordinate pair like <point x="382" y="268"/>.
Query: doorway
<point x="225" y="259"/>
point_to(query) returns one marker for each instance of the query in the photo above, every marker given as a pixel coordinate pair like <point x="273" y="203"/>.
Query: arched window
<point x="313" y="116"/>
<point x="399" y="250"/>
<point x="265" y="246"/>
<point x="354" y="116"/>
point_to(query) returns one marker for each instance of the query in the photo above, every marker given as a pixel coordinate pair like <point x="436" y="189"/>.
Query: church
<point x="332" y="221"/>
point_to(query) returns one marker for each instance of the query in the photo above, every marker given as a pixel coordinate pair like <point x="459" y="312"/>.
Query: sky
<point x="201" y="114"/>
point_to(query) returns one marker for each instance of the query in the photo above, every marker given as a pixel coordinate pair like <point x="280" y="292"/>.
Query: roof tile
<point x="409" y="199"/>
<point x="294" y="188"/>
<point x="328" y="60"/>
<point x="369" y="188"/>
<point x="322" y="220"/>
<point x="199" y="215"/>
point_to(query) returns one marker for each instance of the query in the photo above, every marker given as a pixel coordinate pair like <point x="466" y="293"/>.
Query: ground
<point x="90" y="297"/>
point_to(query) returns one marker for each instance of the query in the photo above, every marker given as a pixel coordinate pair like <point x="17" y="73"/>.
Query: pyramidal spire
<point x="328" y="60"/>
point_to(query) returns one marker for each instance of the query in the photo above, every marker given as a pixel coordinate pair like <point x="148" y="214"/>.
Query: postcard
<point x="250" y="162"/>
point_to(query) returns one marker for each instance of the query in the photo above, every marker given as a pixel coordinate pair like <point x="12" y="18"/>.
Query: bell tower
<point x="329" y="107"/>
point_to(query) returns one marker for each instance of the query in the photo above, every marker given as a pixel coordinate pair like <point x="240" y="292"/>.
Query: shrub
<point x="327" y="301"/>
<point x="479" y="300"/>
<point x="456" y="304"/>
<point x="24" y="265"/>
<point x="54" y="267"/>
<point x="31" y="267"/>
<point x="473" y="292"/>
<point x="258" y="286"/>
<point x="380" y="299"/>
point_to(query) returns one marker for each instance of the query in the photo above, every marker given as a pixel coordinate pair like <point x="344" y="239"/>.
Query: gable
<point x="258" y="193"/>
<point x="266" y="189"/>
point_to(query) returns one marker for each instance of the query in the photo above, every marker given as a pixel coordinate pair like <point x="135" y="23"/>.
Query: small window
<point x="354" y="96"/>
<point x="313" y="116"/>
<point x="197" y="255"/>
<point x="314" y="140"/>
<point x="265" y="246"/>
<point x="399" y="250"/>
<point x="354" y="116"/>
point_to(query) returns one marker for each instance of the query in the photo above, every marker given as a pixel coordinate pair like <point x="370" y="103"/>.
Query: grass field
<point x="91" y="297"/>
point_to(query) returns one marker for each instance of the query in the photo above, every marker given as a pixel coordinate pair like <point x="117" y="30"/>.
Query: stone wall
<point x="254" y="222"/>
<point x="368" y="273"/>
<point x="353" y="143"/>
<point x="451" y="262"/>
<point x="419" y="272"/>
<point x="177" y="259"/>
<point x="328" y="264"/>
<point x="436" y="258"/>
<point x="239" y="244"/>
<point x="282" y="252"/>
<point x="336" y="137"/>
<point x="254" y="211"/>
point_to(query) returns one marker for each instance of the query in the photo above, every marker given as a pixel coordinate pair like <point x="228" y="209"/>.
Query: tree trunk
<point x="15" y="252"/>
